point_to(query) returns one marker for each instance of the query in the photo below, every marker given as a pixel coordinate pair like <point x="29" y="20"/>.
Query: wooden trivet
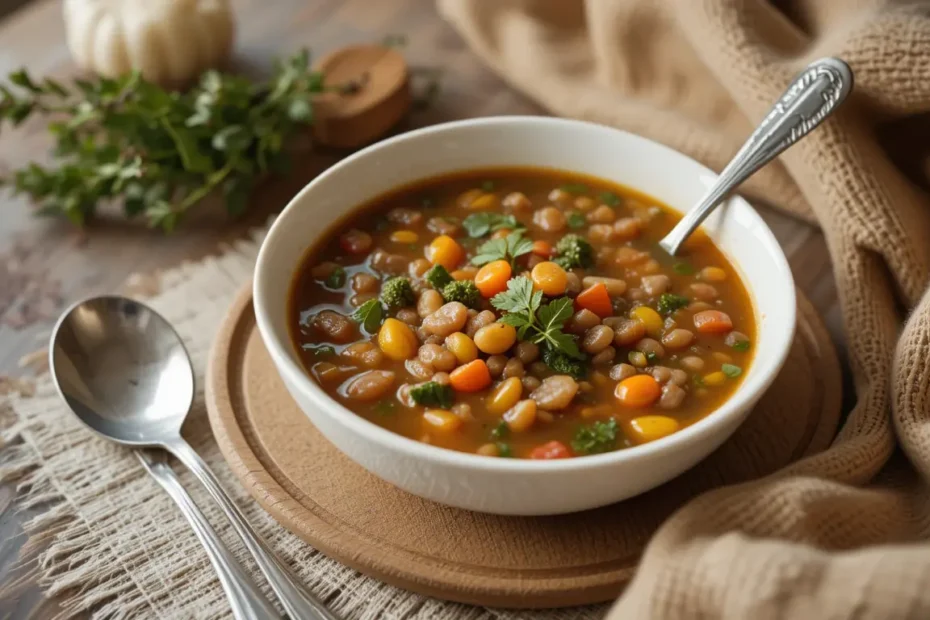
<point x="523" y="562"/>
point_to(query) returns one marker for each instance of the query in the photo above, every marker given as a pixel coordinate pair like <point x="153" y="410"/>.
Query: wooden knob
<point x="371" y="94"/>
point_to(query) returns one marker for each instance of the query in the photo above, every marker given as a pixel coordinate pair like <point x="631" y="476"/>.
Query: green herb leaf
<point x="519" y="297"/>
<point x="596" y="438"/>
<point x="741" y="345"/>
<point x="669" y="303"/>
<point x="500" y="431"/>
<point x="432" y="394"/>
<point x="337" y="279"/>
<point x="731" y="370"/>
<point x="480" y="224"/>
<point x="438" y="276"/>
<point x="509" y="248"/>
<point x="698" y="380"/>
<point x="683" y="269"/>
<point x="575" y="220"/>
<point x="610" y="199"/>
<point x="651" y="357"/>
<point x="323" y="351"/>
<point x="369" y="315"/>
<point x="574" y="188"/>
<point x="504" y="450"/>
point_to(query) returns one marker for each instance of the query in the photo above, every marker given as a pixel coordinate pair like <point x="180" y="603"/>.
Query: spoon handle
<point x="811" y="98"/>
<point x="297" y="602"/>
<point x="245" y="598"/>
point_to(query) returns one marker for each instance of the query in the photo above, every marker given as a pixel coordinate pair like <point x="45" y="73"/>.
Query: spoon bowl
<point x="125" y="373"/>
<point x="123" y="370"/>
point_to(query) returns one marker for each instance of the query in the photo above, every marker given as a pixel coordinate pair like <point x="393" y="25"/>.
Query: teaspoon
<point x="811" y="98"/>
<point x="125" y="373"/>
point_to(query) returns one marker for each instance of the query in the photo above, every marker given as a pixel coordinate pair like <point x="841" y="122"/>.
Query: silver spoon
<point x="811" y="98"/>
<point x="245" y="598"/>
<point x="126" y="374"/>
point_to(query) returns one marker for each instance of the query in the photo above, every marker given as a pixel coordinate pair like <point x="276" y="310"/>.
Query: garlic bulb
<point x="170" y="41"/>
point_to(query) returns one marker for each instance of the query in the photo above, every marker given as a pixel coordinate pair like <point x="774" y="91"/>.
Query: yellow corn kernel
<point x="651" y="427"/>
<point x="484" y="201"/>
<point x="397" y="340"/>
<point x="713" y="274"/>
<point x="441" y="420"/>
<point x="715" y="378"/>
<point x="638" y="359"/>
<point x="462" y="347"/>
<point x="650" y="320"/>
<point x="404" y="236"/>
<point x="504" y="396"/>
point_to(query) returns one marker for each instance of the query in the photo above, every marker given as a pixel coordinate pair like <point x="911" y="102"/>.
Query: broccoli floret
<point x="463" y="291"/>
<point x="574" y="251"/>
<point x="397" y="292"/>
<point x="438" y="277"/>
<point x="564" y="365"/>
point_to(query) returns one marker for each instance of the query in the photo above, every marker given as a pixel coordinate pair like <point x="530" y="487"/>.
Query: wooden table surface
<point x="46" y="264"/>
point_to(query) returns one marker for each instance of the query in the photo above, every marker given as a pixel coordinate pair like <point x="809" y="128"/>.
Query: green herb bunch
<point x="159" y="152"/>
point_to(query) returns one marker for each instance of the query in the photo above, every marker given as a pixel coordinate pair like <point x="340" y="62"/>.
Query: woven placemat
<point x="519" y="562"/>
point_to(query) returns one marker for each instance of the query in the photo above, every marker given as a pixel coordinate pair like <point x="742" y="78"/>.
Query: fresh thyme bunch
<point x="159" y="152"/>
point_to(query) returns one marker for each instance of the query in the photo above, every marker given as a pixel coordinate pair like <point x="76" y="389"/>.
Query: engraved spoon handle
<point x="811" y="98"/>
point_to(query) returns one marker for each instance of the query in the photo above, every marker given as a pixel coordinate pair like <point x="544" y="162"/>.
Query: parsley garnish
<point x="731" y="370"/>
<point x="610" y="199"/>
<point x="742" y="345"/>
<point x="575" y="220"/>
<point x="369" y="315"/>
<point x="508" y="248"/>
<point x="336" y="279"/>
<point x="698" y="381"/>
<point x="541" y="324"/>
<point x="669" y="303"/>
<point x="504" y="449"/>
<point x="323" y="351"/>
<point x="598" y="437"/>
<point x="651" y="357"/>
<point x="574" y="188"/>
<point x="480" y="224"/>
<point x="683" y="269"/>
<point x="500" y="431"/>
<point x="432" y="394"/>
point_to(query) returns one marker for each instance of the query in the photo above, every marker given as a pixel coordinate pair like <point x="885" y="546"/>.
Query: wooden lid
<point x="528" y="562"/>
<point x="372" y="95"/>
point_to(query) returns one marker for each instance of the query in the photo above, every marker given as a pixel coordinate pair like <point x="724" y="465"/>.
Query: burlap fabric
<point x="841" y="534"/>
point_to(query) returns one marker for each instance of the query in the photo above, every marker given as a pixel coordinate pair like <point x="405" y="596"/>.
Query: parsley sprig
<point x="538" y="323"/>
<point x="596" y="438"/>
<point x="508" y="249"/>
<point x="159" y="152"/>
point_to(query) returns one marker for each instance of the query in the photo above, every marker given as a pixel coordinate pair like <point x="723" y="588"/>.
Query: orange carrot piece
<point x="596" y="299"/>
<point x="492" y="278"/>
<point x="638" y="391"/>
<point x="712" y="322"/>
<point x="543" y="248"/>
<point x="470" y="377"/>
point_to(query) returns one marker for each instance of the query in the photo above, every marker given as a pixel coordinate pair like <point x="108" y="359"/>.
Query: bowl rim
<point x="705" y="428"/>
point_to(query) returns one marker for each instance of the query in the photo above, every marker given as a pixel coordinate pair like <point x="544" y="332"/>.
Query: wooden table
<point x="46" y="264"/>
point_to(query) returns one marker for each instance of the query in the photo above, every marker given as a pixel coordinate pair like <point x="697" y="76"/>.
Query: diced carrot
<point x="596" y="299"/>
<point x="445" y="251"/>
<point x="551" y="450"/>
<point x="543" y="248"/>
<point x="712" y="322"/>
<point x="492" y="278"/>
<point x="638" y="391"/>
<point x="470" y="377"/>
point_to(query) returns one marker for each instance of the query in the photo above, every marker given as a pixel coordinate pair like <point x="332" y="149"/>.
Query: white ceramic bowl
<point x="513" y="486"/>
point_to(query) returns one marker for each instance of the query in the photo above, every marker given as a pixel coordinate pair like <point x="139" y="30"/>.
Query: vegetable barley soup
<point x="523" y="313"/>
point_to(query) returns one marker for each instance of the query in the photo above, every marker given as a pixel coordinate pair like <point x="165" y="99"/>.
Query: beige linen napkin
<point x="842" y="534"/>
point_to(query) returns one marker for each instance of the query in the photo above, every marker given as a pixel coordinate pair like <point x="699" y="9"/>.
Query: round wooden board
<point x="521" y="562"/>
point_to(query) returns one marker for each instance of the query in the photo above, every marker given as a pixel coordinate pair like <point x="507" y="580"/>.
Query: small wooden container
<point x="371" y="95"/>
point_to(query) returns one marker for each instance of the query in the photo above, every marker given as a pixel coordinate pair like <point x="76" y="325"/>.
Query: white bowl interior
<point x="656" y="170"/>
